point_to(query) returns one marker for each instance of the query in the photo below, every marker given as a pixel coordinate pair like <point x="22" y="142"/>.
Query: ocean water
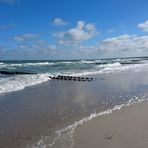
<point x="70" y="67"/>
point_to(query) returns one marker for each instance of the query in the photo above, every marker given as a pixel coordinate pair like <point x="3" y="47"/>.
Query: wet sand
<point x="29" y="114"/>
<point x="125" y="128"/>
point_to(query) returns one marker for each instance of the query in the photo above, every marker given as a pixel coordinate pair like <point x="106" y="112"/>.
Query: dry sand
<point x="125" y="128"/>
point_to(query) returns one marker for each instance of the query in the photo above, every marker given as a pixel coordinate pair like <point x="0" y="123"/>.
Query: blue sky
<point x="73" y="29"/>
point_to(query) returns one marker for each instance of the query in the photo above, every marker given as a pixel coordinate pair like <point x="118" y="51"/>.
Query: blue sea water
<point x="62" y="67"/>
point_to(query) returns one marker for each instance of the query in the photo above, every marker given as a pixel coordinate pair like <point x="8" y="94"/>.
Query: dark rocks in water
<point x="15" y="73"/>
<point x="60" y="77"/>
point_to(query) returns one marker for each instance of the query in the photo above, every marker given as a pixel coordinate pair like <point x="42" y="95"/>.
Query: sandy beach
<point x="125" y="128"/>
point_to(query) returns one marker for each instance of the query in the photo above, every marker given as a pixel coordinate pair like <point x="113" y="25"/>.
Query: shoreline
<point x="124" y="128"/>
<point x="69" y="130"/>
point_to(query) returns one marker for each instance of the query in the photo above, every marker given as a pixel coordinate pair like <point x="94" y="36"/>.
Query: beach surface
<point x="47" y="115"/>
<point x="125" y="128"/>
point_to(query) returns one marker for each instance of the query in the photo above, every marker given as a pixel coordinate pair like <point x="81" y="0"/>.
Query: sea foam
<point x="16" y="83"/>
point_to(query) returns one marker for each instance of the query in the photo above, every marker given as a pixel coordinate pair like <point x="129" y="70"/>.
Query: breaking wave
<point x="15" y="83"/>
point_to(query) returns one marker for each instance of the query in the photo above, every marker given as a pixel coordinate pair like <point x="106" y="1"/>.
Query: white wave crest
<point x="20" y="82"/>
<point x="13" y="65"/>
<point x="117" y="64"/>
<point x="68" y="62"/>
<point x="106" y="68"/>
<point x="35" y="64"/>
<point x="87" y="62"/>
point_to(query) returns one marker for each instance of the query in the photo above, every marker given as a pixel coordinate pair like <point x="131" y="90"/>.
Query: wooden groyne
<point x="70" y="78"/>
<point x="59" y="77"/>
<point x="15" y="73"/>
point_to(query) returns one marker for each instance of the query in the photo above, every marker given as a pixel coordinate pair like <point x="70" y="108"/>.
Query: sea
<point x="56" y="113"/>
<point x="43" y="69"/>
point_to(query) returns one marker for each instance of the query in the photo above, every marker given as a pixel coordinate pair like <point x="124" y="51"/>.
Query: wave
<point x="75" y="62"/>
<point x="87" y="62"/>
<point x="109" y="68"/>
<point x="13" y="65"/>
<point x="124" y="68"/>
<point x="78" y="62"/>
<point x="65" y="135"/>
<point x="117" y="64"/>
<point x="131" y="60"/>
<point x="36" y="64"/>
<point x="68" y="62"/>
<point x="20" y="82"/>
<point x="3" y="65"/>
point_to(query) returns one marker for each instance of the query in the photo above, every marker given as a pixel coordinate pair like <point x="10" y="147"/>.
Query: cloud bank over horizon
<point x="123" y="44"/>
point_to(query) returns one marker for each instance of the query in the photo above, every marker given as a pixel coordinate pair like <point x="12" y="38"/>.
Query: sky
<point x="73" y="29"/>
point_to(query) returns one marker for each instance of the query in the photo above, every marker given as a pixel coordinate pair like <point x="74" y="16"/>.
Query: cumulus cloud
<point x="143" y="26"/>
<point x="80" y="33"/>
<point x="25" y="37"/>
<point x="124" y="43"/>
<point x="10" y="1"/>
<point x="59" y="22"/>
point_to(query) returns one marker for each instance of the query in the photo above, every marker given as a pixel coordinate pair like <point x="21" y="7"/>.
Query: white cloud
<point x="80" y="33"/>
<point x="10" y="1"/>
<point x="27" y="51"/>
<point x="59" y="22"/>
<point x="124" y="43"/>
<point x="119" y="46"/>
<point x="25" y="37"/>
<point x="143" y="26"/>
